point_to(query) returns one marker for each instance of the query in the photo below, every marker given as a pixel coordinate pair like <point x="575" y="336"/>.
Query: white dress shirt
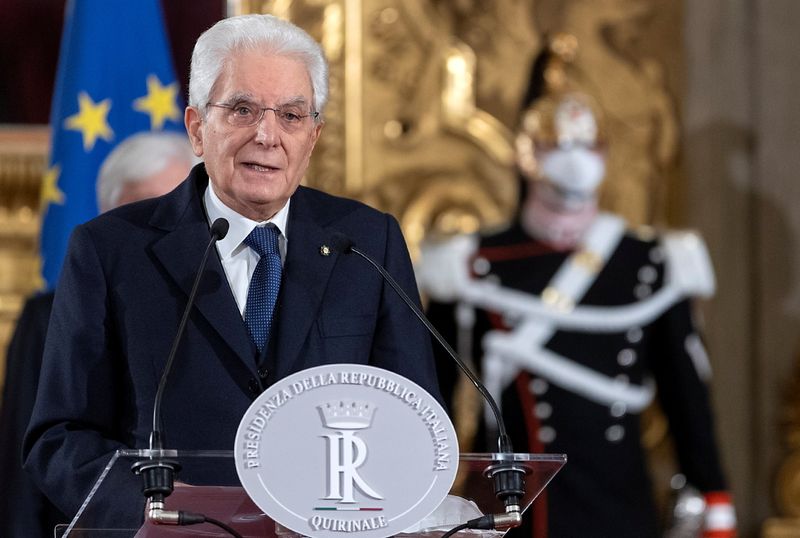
<point x="238" y="260"/>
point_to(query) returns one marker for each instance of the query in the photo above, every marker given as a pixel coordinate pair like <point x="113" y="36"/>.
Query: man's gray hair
<point x="265" y="33"/>
<point x="137" y="158"/>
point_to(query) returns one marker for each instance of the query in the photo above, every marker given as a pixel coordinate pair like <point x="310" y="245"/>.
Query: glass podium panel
<point x="208" y="484"/>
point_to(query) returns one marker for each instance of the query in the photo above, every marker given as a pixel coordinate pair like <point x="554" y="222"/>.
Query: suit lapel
<point x="306" y="273"/>
<point x="181" y="250"/>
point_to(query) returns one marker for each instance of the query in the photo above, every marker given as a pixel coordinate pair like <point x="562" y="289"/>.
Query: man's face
<point x="256" y="169"/>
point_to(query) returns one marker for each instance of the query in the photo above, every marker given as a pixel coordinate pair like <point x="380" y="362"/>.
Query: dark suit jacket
<point x="123" y="289"/>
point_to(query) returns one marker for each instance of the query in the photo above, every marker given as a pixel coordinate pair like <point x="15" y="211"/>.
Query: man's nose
<point x="267" y="128"/>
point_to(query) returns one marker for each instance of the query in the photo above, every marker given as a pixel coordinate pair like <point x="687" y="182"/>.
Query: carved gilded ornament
<point x="23" y="152"/>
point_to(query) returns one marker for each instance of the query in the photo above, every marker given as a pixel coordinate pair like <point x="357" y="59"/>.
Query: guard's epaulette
<point x="689" y="265"/>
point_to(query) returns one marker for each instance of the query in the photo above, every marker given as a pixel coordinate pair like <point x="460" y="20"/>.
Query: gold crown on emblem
<point x="346" y="414"/>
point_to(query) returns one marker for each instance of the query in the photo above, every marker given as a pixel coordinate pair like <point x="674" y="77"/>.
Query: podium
<point x="208" y="484"/>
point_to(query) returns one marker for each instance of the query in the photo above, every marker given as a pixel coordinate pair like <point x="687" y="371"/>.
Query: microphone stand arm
<point x="158" y="473"/>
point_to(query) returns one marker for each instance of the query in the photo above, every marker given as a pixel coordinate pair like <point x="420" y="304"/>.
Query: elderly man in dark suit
<point x="257" y="90"/>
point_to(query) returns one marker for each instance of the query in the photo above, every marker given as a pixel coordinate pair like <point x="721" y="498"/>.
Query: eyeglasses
<point x="247" y="114"/>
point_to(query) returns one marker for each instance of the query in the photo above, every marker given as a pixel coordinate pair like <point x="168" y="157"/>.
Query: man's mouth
<point x="260" y="167"/>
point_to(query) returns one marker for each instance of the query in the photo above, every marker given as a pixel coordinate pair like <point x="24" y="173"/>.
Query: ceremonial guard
<point x="577" y="325"/>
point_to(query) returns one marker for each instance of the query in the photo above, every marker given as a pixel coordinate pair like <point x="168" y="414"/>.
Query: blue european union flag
<point x="115" y="78"/>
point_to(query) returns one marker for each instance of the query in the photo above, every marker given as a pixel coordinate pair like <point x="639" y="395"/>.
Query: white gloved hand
<point x="443" y="268"/>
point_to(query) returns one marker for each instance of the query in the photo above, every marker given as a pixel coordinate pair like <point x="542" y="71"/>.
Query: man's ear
<point x="315" y="133"/>
<point x="194" y="128"/>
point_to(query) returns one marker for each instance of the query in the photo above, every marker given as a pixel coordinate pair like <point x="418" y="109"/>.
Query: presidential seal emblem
<point x="346" y="449"/>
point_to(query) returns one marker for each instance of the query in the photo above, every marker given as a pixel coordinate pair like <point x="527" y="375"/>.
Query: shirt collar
<point x="240" y="226"/>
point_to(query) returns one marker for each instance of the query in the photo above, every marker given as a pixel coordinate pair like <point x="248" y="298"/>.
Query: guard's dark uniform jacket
<point x="578" y="387"/>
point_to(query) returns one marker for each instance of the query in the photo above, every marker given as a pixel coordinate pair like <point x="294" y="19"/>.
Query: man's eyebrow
<point x="298" y="100"/>
<point x="240" y="96"/>
<point x="294" y="101"/>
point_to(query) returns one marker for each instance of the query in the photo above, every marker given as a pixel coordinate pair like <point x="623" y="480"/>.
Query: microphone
<point x="508" y="478"/>
<point x="157" y="472"/>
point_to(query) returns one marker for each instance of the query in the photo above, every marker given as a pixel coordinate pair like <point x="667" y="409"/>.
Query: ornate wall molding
<point x="23" y="154"/>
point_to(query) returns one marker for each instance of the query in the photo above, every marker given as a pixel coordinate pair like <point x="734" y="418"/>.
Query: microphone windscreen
<point x="341" y="243"/>
<point x="219" y="228"/>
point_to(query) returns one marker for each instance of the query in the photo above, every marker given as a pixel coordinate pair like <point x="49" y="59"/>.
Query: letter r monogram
<point x="346" y="453"/>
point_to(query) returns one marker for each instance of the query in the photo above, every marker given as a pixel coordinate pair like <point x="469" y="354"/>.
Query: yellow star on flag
<point x="160" y="102"/>
<point x="91" y="120"/>
<point x="50" y="193"/>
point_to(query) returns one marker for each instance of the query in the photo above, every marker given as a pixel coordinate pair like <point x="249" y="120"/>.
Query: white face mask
<point x="548" y="216"/>
<point x="576" y="172"/>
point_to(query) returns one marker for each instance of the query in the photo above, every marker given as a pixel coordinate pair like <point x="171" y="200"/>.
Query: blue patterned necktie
<point x="264" y="286"/>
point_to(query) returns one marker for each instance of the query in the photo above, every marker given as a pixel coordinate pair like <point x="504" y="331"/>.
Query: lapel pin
<point x="325" y="250"/>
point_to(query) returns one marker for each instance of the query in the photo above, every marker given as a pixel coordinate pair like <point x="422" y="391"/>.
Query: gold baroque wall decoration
<point x="23" y="152"/>
<point x="439" y="161"/>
